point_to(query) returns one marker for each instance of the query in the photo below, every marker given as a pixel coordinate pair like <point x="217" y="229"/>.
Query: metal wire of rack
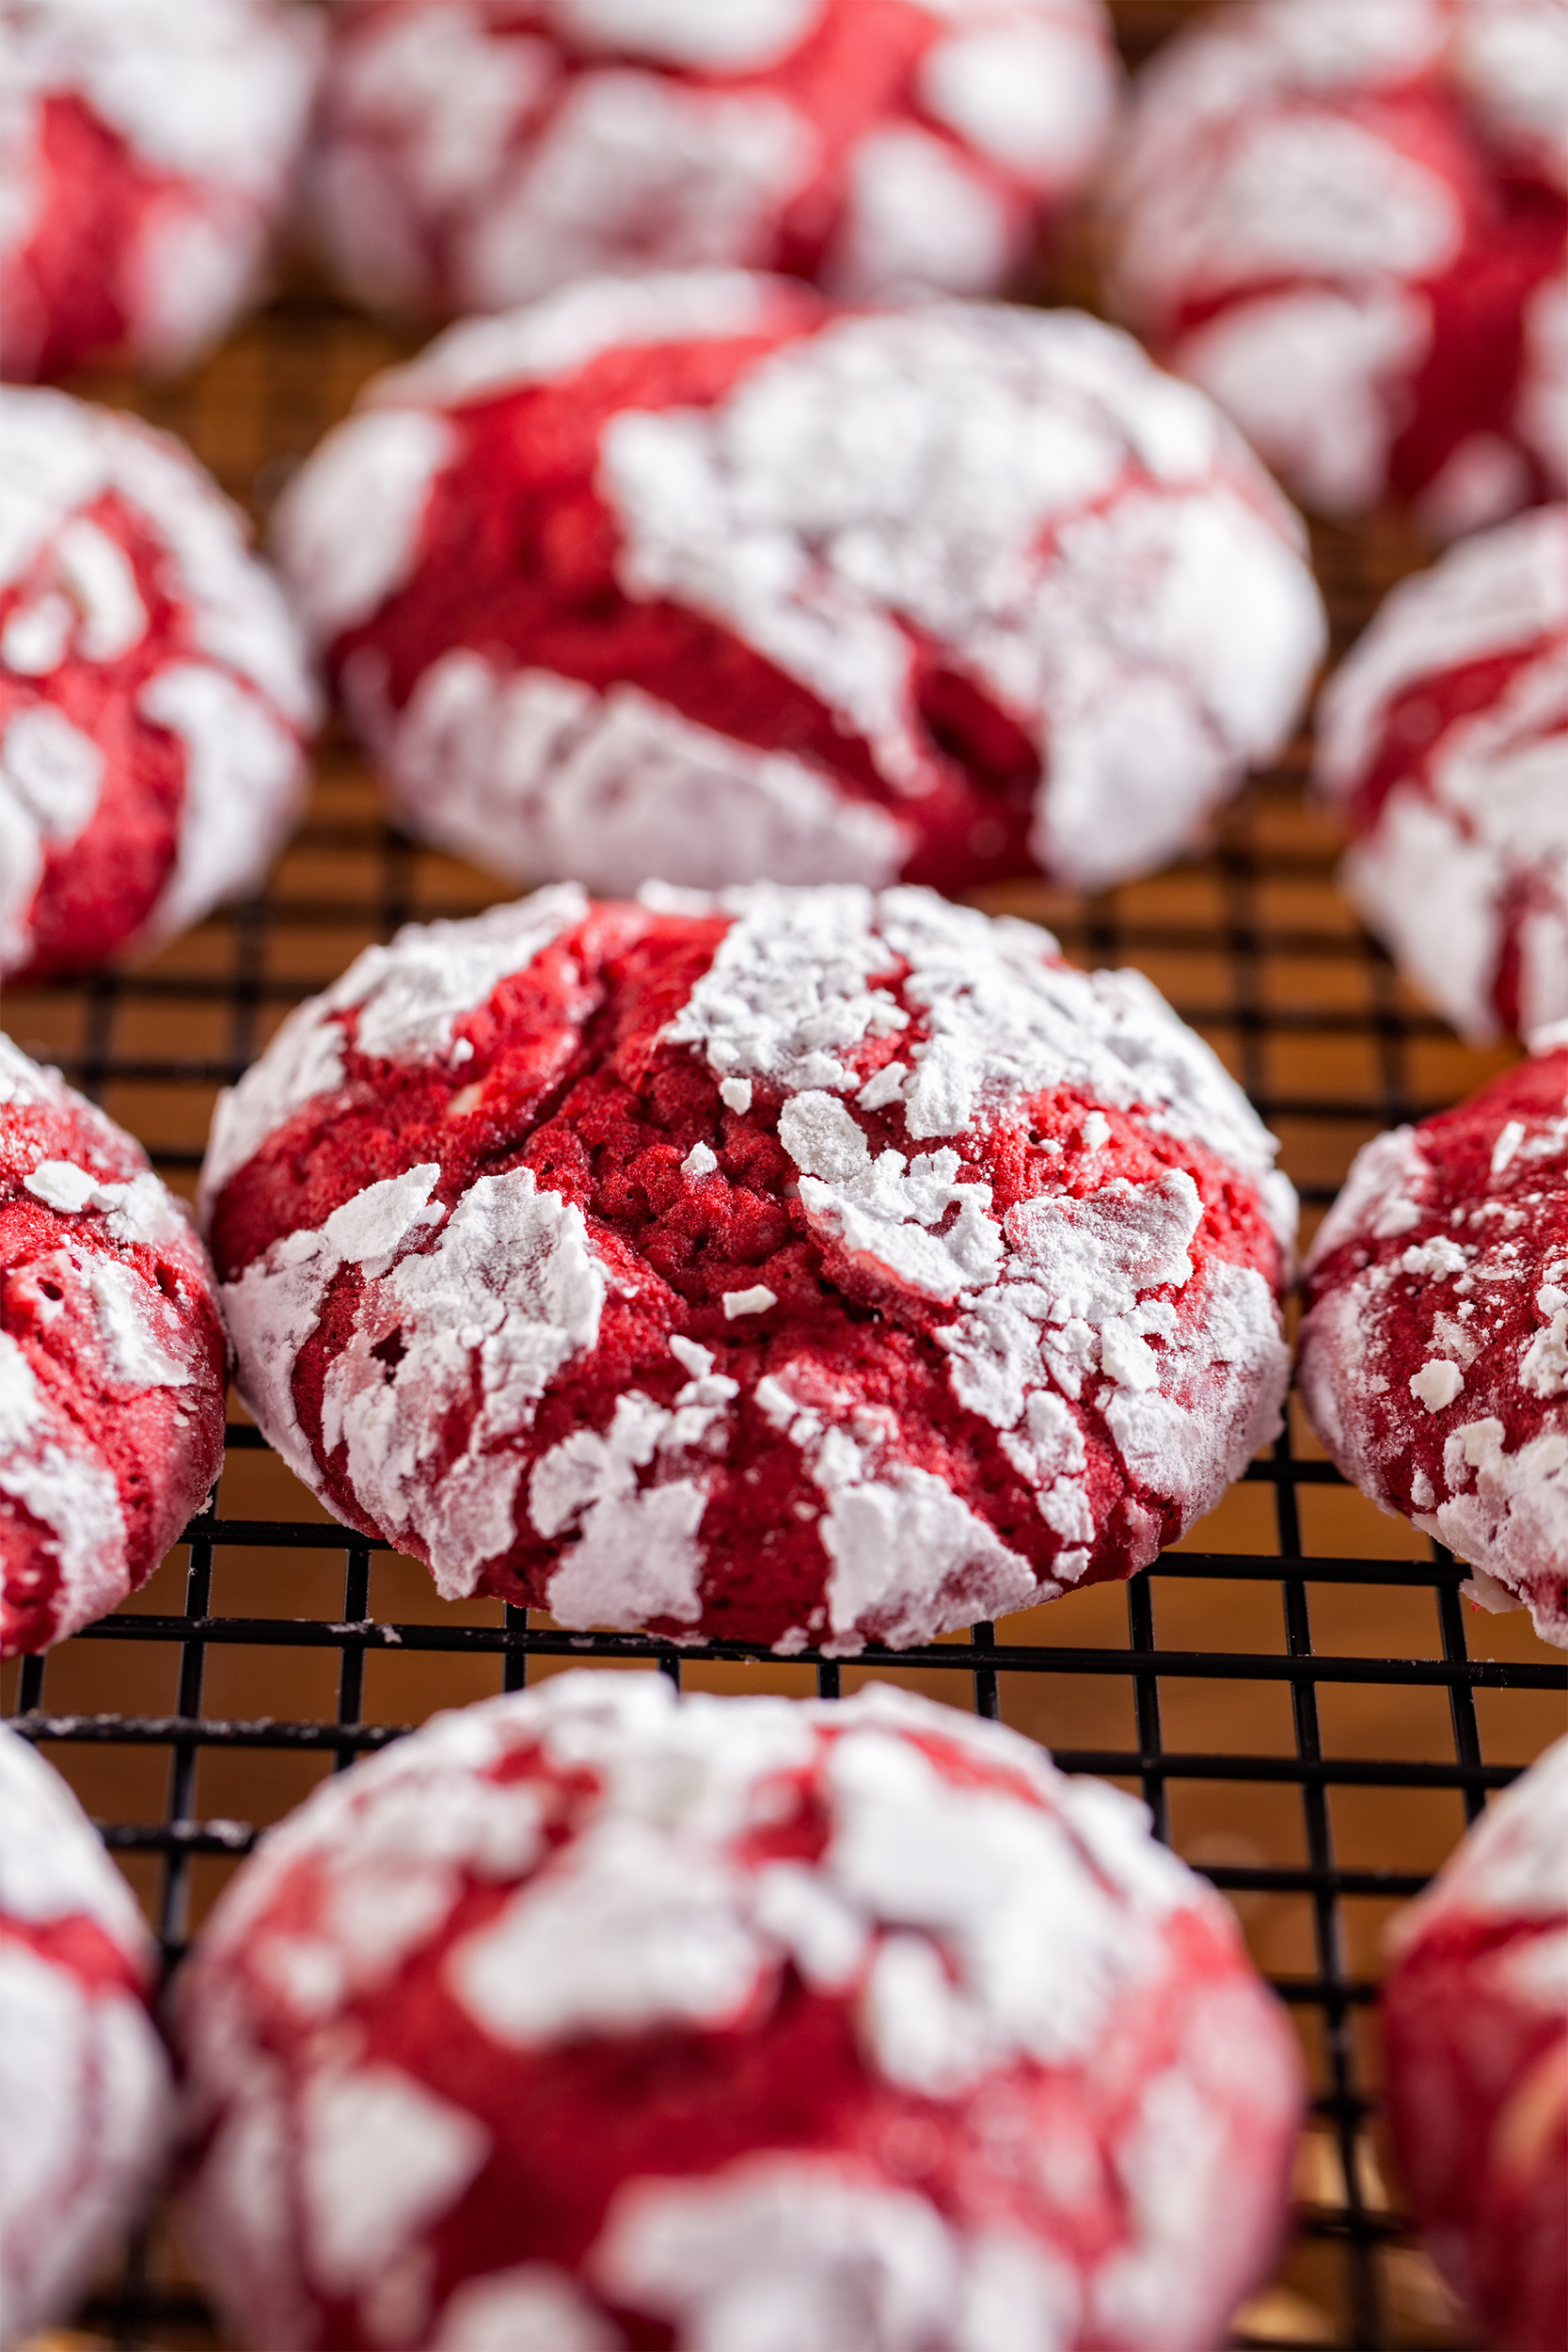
<point x="1297" y="1689"/>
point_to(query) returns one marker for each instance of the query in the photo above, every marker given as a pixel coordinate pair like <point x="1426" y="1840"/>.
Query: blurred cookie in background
<point x="1433" y="1353"/>
<point x="472" y="157"/>
<point x="1348" y="221"/>
<point x="1475" y="2022"/>
<point x="86" y="2107"/>
<point x="1443" y="737"/>
<point x="148" y="150"/>
<point x="696" y="577"/>
<point x="156" y="698"/>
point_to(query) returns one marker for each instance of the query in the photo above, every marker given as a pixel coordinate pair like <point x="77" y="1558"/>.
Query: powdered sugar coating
<point x="154" y="694"/>
<point x="897" y="1958"/>
<point x="83" y="2084"/>
<point x="147" y="153"/>
<point x="1346" y="219"/>
<point x="1445" y="738"/>
<point x="471" y="154"/>
<point x="1476" y="2026"/>
<point x="875" y="1271"/>
<point x="798" y="595"/>
<point x="112" y="1362"/>
<point x="1434" y="1357"/>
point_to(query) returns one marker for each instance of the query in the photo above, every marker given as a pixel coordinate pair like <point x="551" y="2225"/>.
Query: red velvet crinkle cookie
<point x="1434" y="1357"/>
<point x="593" y="2017"/>
<point x="694" y="577"/>
<point x="801" y="1267"/>
<point x="1475" y="2022"/>
<point x="154" y="695"/>
<point x="470" y="159"/>
<point x="112" y="1361"/>
<point x="1444" y="738"/>
<point x="1348" y="220"/>
<point x="84" y="2082"/>
<point x="147" y="155"/>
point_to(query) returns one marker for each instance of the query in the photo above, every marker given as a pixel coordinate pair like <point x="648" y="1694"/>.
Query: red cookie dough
<point x="469" y="159"/>
<point x="1348" y="220"/>
<point x="593" y="2017"/>
<point x="694" y="577"/>
<point x="1434" y="1355"/>
<point x="112" y="1362"/>
<point x="154" y="695"/>
<point x="1475" y="2022"/>
<point x="84" y="2083"/>
<point x="800" y="1267"/>
<point x="146" y="154"/>
<point x="1444" y="738"/>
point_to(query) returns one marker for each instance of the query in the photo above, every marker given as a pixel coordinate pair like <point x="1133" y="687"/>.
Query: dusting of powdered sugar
<point x="408" y="997"/>
<point x="1066" y="1307"/>
<point x="81" y="2058"/>
<point x="1510" y="57"/>
<point x="124" y="1335"/>
<point x="1258" y="186"/>
<point x="1499" y="1499"/>
<point x="971" y="1908"/>
<point x="63" y="1483"/>
<point x="508" y="1293"/>
<point x="210" y="106"/>
<point x="1477" y="822"/>
<point x="240" y="706"/>
<point x="803" y="977"/>
<point x="1067" y="1298"/>
<point x="346" y="530"/>
<point x="53" y="1864"/>
<point x="528" y="772"/>
<point x="562" y="334"/>
<point x="1024" y="487"/>
<point x="1513" y="1864"/>
<point x="467" y="162"/>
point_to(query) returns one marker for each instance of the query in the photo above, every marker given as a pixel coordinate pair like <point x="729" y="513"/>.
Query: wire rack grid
<point x="1297" y="1689"/>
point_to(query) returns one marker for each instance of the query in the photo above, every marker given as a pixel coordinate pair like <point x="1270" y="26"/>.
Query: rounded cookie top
<point x="146" y="154"/>
<point x="112" y="1361"/>
<point x="695" y="577"/>
<point x="1444" y="736"/>
<point x="85" y="2110"/>
<point x="1348" y="220"/>
<point x="803" y="1267"/>
<point x="154" y="694"/>
<point x="1434" y="1355"/>
<point x="893" y="1961"/>
<point x="470" y="162"/>
<point x="1476" y="2029"/>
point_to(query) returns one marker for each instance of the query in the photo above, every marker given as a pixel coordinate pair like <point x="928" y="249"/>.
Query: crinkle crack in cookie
<point x="1475" y="2022"/>
<point x="694" y="577"/>
<point x="112" y="1362"/>
<point x="593" y="2017"/>
<point x="1348" y="220"/>
<point x="154" y="694"/>
<point x="468" y="160"/>
<point x="1435" y="1352"/>
<point x="147" y="155"/>
<point x="801" y="1267"/>
<point x="84" y="2083"/>
<point x="1445" y="738"/>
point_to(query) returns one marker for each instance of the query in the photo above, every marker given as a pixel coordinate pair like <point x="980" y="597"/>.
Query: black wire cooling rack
<point x="1298" y="1691"/>
<point x="1293" y="1691"/>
